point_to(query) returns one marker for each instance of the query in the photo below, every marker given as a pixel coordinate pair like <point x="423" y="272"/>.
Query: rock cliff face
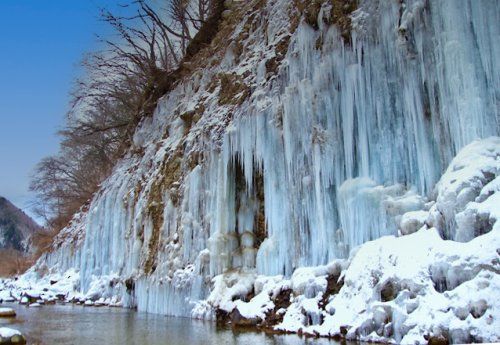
<point x="304" y="131"/>
<point x="15" y="227"/>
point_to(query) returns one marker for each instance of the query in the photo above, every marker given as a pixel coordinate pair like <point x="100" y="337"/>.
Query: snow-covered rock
<point x="467" y="193"/>
<point x="7" y="312"/>
<point x="412" y="221"/>
<point x="426" y="286"/>
<point x="10" y="336"/>
<point x="8" y="332"/>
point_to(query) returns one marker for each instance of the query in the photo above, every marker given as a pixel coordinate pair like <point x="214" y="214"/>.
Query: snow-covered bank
<point x="33" y="290"/>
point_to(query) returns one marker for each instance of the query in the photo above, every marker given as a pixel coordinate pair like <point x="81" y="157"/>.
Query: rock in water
<point x="11" y="336"/>
<point x="7" y="312"/>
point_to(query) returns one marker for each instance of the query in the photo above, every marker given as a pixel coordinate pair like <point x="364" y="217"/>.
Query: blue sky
<point x="41" y="45"/>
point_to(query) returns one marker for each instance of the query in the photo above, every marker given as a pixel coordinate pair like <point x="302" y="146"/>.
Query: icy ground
<point x="403" y="289"/>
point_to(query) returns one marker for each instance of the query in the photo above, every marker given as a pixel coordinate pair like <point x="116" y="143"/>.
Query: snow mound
<point x="412" y="221"/>
<point x="229" y="287"/>
<point x="411" y="288"/>
<point x="467" y="194"/>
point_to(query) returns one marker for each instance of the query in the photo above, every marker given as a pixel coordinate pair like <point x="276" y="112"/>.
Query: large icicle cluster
<point x="421" y="286"/>
<point x="291" y="146"/>
<point x="408" y="289"/>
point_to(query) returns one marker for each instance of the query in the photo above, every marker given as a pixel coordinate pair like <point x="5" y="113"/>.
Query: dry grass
<point x="171" y="173"/>
<point x="339" y="14"/>
<point x="13" y="262"/>
<point x="192" y="117"/>
<point x="42" y="241"/>
<point x="233" y="89"/>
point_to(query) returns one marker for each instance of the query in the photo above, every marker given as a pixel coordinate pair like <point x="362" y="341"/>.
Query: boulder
<point x="9" y="336"/>
<point x="238" y="320"/>
<point x="32" y="296"/>
<point x="7" y="312"/>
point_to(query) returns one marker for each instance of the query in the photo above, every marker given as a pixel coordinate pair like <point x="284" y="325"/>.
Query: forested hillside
<point x="16" y="227"/>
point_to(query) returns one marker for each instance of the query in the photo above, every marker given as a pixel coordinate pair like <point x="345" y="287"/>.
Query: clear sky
<point x="41" y="45"/>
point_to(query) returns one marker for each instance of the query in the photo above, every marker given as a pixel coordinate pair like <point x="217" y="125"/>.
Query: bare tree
<point x="122" y="84"/>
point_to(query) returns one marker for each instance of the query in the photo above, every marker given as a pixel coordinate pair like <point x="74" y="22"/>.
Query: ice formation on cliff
<point x="405" y="289"/>
<point x="342" y="144"/>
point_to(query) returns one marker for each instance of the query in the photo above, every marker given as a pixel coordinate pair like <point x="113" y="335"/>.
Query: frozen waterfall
<point x="323" y="157"/>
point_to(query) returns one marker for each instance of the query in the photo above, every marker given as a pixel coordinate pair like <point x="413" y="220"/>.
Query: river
<point x="73" y="324"/>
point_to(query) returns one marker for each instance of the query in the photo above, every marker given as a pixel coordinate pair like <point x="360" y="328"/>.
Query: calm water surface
<point x="70" y="324"/>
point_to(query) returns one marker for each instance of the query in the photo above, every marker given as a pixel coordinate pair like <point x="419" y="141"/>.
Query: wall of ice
<point x="393" y="108"/>
<point x="327" y="154"/>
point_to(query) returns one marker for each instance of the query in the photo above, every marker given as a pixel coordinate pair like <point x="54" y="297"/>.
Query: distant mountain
<point x="16" y="227"/>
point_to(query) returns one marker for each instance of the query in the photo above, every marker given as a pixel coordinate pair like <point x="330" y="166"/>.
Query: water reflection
<point x="77" y="325"/>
